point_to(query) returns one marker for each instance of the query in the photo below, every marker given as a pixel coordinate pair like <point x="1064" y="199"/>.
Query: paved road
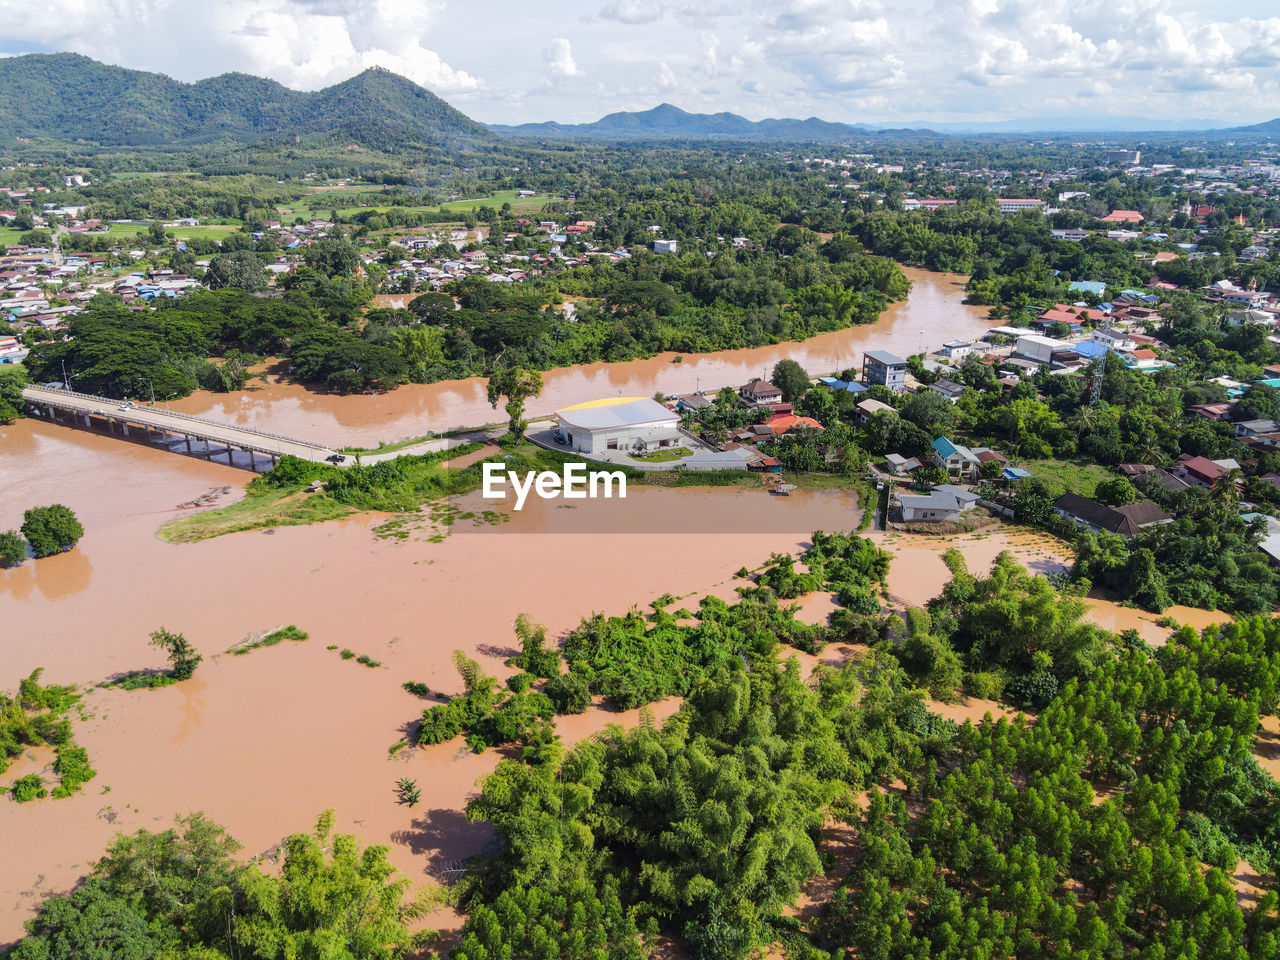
<point x="198" y="428"/>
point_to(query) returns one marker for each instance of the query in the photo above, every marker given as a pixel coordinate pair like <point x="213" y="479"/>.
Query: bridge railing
<point x="184" y="416"/>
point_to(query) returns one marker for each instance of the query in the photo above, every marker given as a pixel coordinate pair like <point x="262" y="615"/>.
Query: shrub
<point x="1033" y="690"/>
<point x="569" y="693"/>
<point x="984" y="685"/>
<point x="30" y="787"/>
<point x="13" y="549"/>
<point x="520" y="682"/>
<point x="416" y="688"/>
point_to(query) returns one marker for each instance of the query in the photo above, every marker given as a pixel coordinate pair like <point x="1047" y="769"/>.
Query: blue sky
<point x="905" y="61"/>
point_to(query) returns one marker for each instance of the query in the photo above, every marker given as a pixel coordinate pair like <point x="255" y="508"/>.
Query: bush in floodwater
<point x="182" y="655"/>
<point x="13" y="549"/>
<point x="520" y="682"/>
<point x="30" y="787"/>
<point x="416" y="688"/>
<point x="409" y="792"/>
<point x="569" y="693"/>
<point x="73" y="770"/>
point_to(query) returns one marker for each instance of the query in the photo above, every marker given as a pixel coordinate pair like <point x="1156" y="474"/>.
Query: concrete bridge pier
<point x="86" y="420"/>
<point x="187" y="437"/>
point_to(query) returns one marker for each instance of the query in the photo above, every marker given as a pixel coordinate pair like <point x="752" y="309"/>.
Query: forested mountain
<point x="70" y="97"/>
<point x="668" y="122"/>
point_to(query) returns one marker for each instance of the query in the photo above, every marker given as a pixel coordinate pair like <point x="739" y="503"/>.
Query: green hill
<point x="65" y="96"/>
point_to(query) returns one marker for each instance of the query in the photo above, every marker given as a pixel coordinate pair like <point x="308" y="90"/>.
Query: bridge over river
<point x="242" y="446"/>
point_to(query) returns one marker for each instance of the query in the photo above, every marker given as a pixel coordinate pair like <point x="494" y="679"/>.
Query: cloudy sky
<point x="509" y="61"/>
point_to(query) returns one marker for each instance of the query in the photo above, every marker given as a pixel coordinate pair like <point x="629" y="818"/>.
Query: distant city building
<point x="1127" y="158"/>
<point x="664" y="246"/>
<point x="1018" y="204"/>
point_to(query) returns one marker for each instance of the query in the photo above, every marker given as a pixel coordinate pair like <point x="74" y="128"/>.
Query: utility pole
<point x="66" y="384"/>
<point x="153" y="389"/>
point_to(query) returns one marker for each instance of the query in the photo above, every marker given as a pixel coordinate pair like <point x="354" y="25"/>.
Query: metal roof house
<point x="941" y="503"/>
<point x="958" y="460"/>
<point x="623" y="424"/>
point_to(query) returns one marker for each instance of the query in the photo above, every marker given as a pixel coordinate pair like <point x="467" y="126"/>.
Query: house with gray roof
<point x="939" y="504"/>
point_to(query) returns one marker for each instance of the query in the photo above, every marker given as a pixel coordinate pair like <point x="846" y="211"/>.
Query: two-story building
<point x="886" y="369"/>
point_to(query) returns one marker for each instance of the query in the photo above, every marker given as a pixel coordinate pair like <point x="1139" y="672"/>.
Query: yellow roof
<point x="606" y="402"/>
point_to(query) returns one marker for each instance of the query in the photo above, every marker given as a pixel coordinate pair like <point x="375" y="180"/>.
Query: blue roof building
<point x="832" y="383"/>
<point x="1087" y="286"/>
<point x="1089" y="349"/>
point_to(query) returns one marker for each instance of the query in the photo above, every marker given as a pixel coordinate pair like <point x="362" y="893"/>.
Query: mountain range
<point x="667" y="122"/>
<point x="65" y="96"/>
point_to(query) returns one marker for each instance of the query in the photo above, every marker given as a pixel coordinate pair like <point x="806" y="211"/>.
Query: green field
<point x="9" y="235"/>
<point x="324" y="203"/>
<point x="1062" y="476"/>
<point x="518" y="205"/>
<point x="215" y="231"/>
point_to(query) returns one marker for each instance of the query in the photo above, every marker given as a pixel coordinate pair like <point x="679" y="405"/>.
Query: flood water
<point x="264" y="742"/>
<point x="932" y="314"/>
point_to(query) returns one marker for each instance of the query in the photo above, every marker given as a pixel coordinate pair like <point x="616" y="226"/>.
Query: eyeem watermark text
<point x="575" y="483"/>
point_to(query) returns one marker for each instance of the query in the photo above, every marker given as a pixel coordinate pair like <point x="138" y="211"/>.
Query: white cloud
<point x="632" y="12"/>
<point x="902" y="61"/>
<point x="559" y="58"/>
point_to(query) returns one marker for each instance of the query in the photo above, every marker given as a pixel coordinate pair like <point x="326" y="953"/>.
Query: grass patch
<point x="9" y="236"/>
<point x="663" y="456"/>
<point x="389" y="447"/>
<point x="1063" y="476"/>
<point x="256" y="511"/>
<point x="290" y="632"/>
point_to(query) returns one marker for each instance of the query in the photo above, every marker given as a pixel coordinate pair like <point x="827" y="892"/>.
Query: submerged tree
<point x="182" y="655"/>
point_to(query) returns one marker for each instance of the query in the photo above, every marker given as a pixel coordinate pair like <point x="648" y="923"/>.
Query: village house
<point x="869" y="408"/>
<point x="1126" y="520"/>
<point x="947" y="388"/>
<point x="759" y="393"/>
<point x="959" y="461"/>
<point x="938" y="505"/>
<point x="1200" y="471"/>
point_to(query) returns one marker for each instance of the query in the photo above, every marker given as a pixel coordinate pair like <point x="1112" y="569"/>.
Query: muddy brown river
<point x="932" y="314"/>
<point x="263" y="742"/>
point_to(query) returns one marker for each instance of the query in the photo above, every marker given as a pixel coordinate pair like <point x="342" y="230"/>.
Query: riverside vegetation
<point x="1109" y="826"/>
<point x="37" y="716"/>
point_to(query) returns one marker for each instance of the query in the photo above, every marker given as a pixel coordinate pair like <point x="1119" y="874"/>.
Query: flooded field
<point x="263" y="742"/>
<point x="933" y="313"/>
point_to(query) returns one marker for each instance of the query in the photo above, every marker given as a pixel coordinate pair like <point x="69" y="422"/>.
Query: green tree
<point x="331" y="256"/>
<point x="432" y="307"/>
<point x="13" y="549"/>
<point x="182" y="655"/>
<point x="241" y="270"/>
<point x="51" y="529"/>
<point x="790" y="378"/>
<point x="516" y="384"/>
<point x="1116" y="491"/>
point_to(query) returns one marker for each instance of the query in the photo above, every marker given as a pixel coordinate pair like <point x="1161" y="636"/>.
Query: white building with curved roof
<point x="627" y="424"/>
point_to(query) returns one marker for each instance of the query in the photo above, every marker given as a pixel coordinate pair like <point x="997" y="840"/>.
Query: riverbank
<point x="933" y="312"/>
